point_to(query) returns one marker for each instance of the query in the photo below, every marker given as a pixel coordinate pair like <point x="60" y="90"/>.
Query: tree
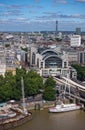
<point x="49" y="90"/>
<point x="10" y="85"/>
<point x="50" y="82"/>
<point x="19" y="73"/>
<point x="24" y="49"/>
<point x="49" y="94"/>
<point x="2" y="81"/>
<point x="5" y="88"/>
<point x="80" y="72"/>
<point x="31" y="87"/>
<point x="11" y="80"/>
<point x="58" y="39"/>
<point x="33" y="82"/>
<point x="7" y="45"/>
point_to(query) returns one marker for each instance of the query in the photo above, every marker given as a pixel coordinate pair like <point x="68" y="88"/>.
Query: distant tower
<point x="56" y="27"/>
<point x="78" y="31"/>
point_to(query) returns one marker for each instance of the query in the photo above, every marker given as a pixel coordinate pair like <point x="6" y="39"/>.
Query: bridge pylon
<point x="77" y="93"/>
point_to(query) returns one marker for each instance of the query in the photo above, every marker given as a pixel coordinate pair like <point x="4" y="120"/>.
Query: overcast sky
<point x="40" y="15"/>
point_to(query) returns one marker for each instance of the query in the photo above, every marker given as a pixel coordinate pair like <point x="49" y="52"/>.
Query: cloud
<point x="11" y="10"/>
<point x="15" y="12"/>
<point x="4" y="21"/>
<point x="49" y="13"/>
<point x="22" y="19"/>
<point x="39" y="6"/>
<point x="80" y="1"/>
<point x="54" y="16"/>
<point x="72" y="16"/>
<point x="36" y="0"/>
<point x="30" y="6"/>
<point x="17" y="21"/>
<point x="11" y="13"/>
<point x="15" y="6"/>
<point x="36" y="6"/>
<point x="1" y="5"/>
<point x="60" y="1"/>
<point x="22" y="24"/>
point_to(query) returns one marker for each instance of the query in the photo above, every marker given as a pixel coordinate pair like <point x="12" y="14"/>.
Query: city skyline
<point x="41" y="15"/>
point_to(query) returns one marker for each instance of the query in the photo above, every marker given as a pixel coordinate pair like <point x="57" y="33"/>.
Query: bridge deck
<point x="70" y="83"/>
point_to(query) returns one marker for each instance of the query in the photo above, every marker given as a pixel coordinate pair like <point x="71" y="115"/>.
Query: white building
<point x="2" y="66"/>
<point x="75" y="40"/>
<point x="50" y="62"/>
<point x="59" y="35"/>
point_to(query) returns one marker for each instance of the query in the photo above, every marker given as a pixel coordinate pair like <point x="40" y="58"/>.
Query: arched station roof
<point x="50" y="53"/>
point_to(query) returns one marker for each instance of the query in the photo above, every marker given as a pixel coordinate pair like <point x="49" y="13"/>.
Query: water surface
<point x="42" y="120"/>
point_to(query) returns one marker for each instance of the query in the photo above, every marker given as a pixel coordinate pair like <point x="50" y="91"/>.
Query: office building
<point x="82" y="57"/>
<point x="78" y="31"/>
<point x="75" y="40"/>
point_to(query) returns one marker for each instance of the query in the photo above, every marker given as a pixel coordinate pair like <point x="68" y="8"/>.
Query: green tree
<point x="11" y="80"/>
<point x="80" y="72"/>
<point x="49" y="90"/>
<point x="7" y="45"/>
<point x="24" y="49"/>
<point x="33" y="82"/>
<point x="2" y="80"/>
<point x="50" y="82"/>
<point x="5" y="91"/>
<point x="31" y="87"/>
<point x="10" y="86"/>
<point x="19" y="73"/>
<point x="49" y="94"/>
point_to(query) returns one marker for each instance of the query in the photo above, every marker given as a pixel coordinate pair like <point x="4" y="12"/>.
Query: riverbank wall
<point x="39" y="105"/>
<point x="44" y="104"/>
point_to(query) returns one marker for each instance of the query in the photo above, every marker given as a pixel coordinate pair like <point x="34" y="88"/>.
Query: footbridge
<point x="68" y="83"/>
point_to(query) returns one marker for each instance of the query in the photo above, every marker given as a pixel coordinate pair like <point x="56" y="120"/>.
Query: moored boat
<point x="3" y="115"/>
<point x="64" y="108"/>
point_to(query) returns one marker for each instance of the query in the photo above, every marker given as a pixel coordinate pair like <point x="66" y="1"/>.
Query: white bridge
<point x="69" y="84"/>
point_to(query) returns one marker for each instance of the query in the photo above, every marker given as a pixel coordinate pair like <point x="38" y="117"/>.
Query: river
<point x="42" y="120"/>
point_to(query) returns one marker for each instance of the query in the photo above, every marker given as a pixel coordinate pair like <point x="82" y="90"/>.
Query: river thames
<point x="42" y="120"/>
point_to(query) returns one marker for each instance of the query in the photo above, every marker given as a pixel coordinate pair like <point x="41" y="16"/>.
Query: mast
<point x="23" y="97"/>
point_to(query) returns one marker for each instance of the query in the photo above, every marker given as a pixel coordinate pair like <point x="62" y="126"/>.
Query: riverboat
<point x="65" y="108"/>
<point x="10" y="114"/>
<point x="6" y="111"/>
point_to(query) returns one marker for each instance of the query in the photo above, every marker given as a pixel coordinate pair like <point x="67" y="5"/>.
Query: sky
<point x="41" y="15"/>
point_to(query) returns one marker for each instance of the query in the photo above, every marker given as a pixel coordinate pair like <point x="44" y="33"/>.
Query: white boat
<point x="65" y="108"/>
<point x="7" y="114"/>
<point x="3" y="115"/>
<point x="12" y="114"/>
